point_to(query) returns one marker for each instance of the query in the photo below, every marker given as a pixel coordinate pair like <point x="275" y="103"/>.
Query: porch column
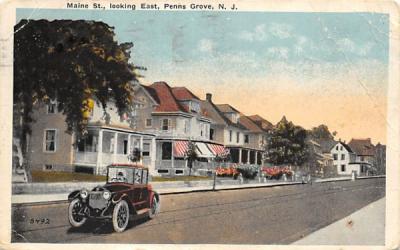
<point x="153" y="154"/>
<point x="99" y="152"/>
<point x="240" y="156"/>
<point x="248" y="156"/>
<point x="115" y="147"/>
<point x="141" y="149"/>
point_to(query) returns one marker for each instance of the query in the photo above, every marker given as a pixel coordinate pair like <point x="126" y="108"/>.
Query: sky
<point x="314" y="68"/>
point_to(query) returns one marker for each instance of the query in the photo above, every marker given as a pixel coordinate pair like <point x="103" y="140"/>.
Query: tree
<point x="191" y="155"/>
<point x="322" y="132"/>
<point x="73" y="62"/>
<point x="286" y="144"/>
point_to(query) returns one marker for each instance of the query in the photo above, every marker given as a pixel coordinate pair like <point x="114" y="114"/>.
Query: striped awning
<point x="203" y="151"/>
<point x="180" y="148"/>
<point x="218" y="149"/>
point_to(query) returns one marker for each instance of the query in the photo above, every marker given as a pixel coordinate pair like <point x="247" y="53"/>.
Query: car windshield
<point x="120" y="174"/>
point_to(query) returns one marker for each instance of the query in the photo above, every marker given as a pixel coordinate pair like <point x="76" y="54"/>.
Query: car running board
<point x="142" y="211"/>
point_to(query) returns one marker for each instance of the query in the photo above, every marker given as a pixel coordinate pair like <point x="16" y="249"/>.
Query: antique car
<point x="125" y="195"/>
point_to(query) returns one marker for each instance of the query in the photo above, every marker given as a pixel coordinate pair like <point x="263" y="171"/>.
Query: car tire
<point x="74" y="219"/>
<point x="154" y="207"/>
<point x="120" y="218"/>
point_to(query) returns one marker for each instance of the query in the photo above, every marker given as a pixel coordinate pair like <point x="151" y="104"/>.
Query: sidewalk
<point x="62" y="197"/>
<point x="364" y="227"/>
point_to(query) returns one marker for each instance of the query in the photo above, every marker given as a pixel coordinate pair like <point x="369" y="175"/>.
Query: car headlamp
<point x="106" y="195"/>
<point x="84" y="193"/>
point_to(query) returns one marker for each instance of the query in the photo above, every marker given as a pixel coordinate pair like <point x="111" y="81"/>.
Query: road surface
<point x="278" y="215"/>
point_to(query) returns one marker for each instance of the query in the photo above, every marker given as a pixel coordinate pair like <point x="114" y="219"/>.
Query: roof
<point x="226" y="108"/>
<point x="260" y="121"/>
<point x="362" y="146"/>
<point x="217" y="115"/>
<point x="162" y="93"/>
<point x="249" y="124"/>
<point x="182" y="93"/>
<point x="344" y="145"/>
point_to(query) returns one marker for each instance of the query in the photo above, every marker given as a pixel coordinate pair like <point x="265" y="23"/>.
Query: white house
<point x="343" y="156"/>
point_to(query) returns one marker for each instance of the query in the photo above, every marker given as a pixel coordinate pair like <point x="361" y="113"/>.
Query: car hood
<point x="116" y="187"/>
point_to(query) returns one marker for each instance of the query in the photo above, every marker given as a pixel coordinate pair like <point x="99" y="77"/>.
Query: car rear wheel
<point x="154" y="207"/>
<point x="75" y="217"/>
<point x="120" y="217"/>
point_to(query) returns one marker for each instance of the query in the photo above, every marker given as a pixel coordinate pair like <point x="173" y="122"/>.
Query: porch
<point x="104" y="146"/>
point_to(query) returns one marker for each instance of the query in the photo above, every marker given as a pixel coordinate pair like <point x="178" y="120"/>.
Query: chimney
<point x="208" y="97"/>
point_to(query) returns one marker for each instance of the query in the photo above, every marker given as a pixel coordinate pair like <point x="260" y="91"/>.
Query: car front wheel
<point x="75" y="217"/>
<point x="120" y="217"/>
<point x="154" y="207"/>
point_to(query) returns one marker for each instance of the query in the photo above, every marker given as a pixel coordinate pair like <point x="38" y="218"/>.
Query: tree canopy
<point x="322" y="132"/>
<point x="286" y="144"/>
<point x="73" y="62"/>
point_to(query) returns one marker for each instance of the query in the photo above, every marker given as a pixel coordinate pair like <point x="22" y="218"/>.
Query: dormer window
<point x="52" y="107"/>
<point x="194" y="107"/>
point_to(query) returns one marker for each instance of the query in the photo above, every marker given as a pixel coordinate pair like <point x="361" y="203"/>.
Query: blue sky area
<point x="329" y="68"/>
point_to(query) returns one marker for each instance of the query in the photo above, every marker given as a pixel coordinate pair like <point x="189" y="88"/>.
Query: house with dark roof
<point x="239" y="134"/>
<point x="177" y="118"/>
<point x="356" y="156"/>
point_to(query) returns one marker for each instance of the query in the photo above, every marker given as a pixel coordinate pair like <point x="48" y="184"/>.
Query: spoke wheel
<point x="75" y="211"/>
<point x="120" y="217"/>
<point x="154" y="207"/>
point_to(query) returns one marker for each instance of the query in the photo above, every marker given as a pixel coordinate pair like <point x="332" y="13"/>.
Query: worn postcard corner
<point x="231" y="124"/>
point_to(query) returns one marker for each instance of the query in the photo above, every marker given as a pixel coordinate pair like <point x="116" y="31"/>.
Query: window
<point x="146" y="149"/>
<point x="165" y="124"/>
<point x="212" y="134"/>
<point x="52" y="107"/>
<point x="50" y="140"/>
<point x="145" y="176"/>
<point x="230" y="135"/>
<point x="186" y="127"/>
<point x="246" y="138"/>
<point x="343" y="156"/>
<point x="341" y="147"/>
<point x="343" y="168"/>
<point x="166" y="151"/>
<point x="237" y="137"/>
<point x="337" y="147"/>
<point x="201" y="129"/>
<point x="138" y="176"/>
<point x="361" y="158"/>
<point x="149" y="123"/>
<point x="335" y="157"/>
<point x="48" y="167"/>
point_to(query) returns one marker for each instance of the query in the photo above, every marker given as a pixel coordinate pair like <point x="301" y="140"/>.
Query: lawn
<point x="54" y="176"/>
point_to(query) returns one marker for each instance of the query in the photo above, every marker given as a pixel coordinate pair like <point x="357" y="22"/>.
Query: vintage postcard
<point x="232" y="124"/>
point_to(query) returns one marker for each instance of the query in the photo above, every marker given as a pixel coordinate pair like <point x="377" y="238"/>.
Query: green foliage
<point x="248" y="172"/>
<point x="321" y="132"/>
<point x="286" y="144"/>
<point x="191" y="155"/>
<point x="72" y="62"/>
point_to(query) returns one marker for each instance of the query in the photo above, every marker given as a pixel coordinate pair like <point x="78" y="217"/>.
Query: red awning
<point x="218" y="149"/>
<point x="180" y="148"/>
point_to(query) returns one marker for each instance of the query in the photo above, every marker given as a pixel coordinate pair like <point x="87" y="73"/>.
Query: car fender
<point x="73" y="195"/>
<point x="119" y="197"/>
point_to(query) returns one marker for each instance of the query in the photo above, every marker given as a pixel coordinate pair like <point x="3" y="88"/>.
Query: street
<point x="278" y="215"/>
